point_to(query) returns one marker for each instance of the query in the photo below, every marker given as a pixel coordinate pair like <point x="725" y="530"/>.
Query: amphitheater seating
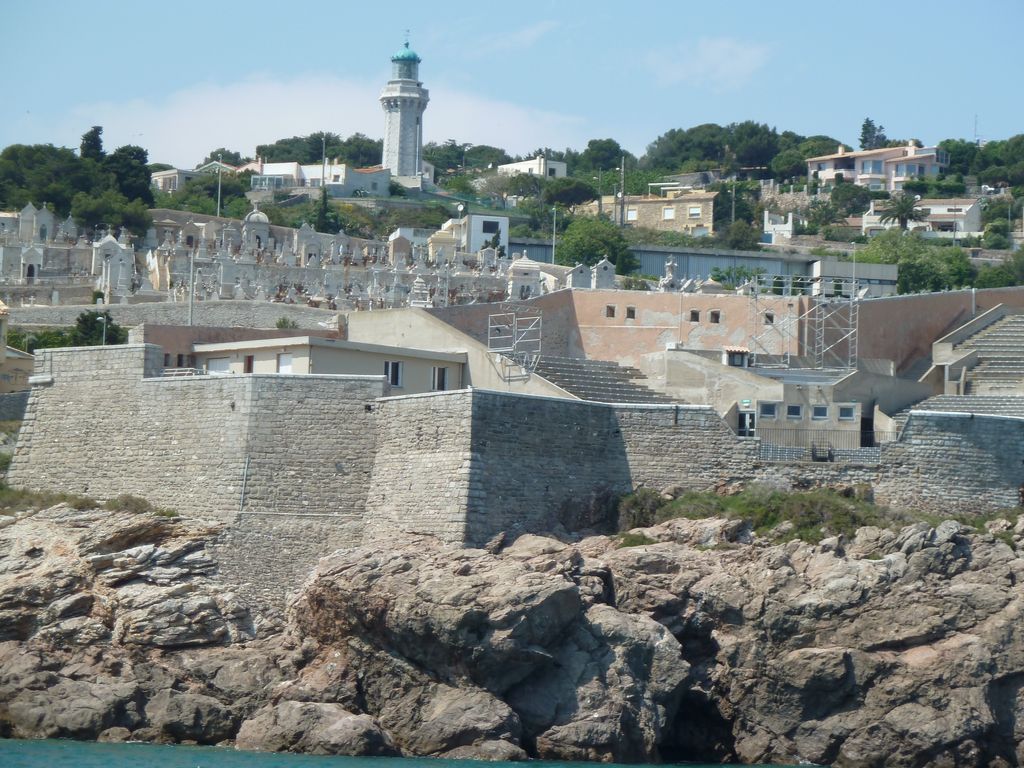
<point x="998" y="405"/>
<point x="1000" y="368"/>
<point x="599" y="380"/>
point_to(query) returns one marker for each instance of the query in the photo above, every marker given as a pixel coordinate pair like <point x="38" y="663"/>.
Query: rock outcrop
<point x="894" y="648"/>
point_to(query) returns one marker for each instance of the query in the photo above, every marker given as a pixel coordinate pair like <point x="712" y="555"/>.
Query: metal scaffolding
<point x="819" y="323"/>
<point x="514" y="336"/>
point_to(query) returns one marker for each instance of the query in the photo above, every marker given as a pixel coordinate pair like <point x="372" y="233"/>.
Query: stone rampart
<point x="299" y="465"/>
<point x="227" y="313"/>
<point x="13" y="404"/>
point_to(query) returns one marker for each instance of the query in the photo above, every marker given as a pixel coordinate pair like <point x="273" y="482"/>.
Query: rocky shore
<point x="890" y="648"/>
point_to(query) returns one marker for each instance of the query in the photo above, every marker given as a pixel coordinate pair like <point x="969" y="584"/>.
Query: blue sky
<point x="184" y="77"/>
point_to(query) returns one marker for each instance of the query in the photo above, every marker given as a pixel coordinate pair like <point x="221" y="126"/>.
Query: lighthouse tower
<point x="404" y="99"/>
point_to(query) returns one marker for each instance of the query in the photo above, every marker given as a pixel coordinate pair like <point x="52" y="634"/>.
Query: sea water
<point x="84" y="754"/>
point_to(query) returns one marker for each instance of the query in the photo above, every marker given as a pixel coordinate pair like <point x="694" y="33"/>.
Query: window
<point x="249" y="364"/>
<point x="551" y="171"/>
<point x="694" y="212"/>
<point x="284" y="362"/>
<point x="393" y="372"/>
<point x="847" y="412"/>
<point x="181" y="361"/>
<point x="794" y="411"/>
<point x="631" y="313"/>
<point x="694" y="315"/>
<point x="769" y="318"/>
<point x="167" y="360"/>
<point x="668" y="214"/>
<point x="439" y="379"/>
<point x="819" y="412"/>
<point x="631" y="214"/>
<point x="767" y="410"/>
<point x="715" y="316"/>
<point x="736" y="359"/>
<point x="609" y="311"/>
<point x="218" y="365"/>
<point x="490" y="227"/>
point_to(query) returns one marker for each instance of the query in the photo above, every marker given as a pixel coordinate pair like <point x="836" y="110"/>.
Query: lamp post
<point x="103" y="340"/>
<point x="599" y="201"/>
<point x="462" y="226"/>
<point x="220" y="168"/>
<point x="554" y="225"/>
<point x="464" y="148"/>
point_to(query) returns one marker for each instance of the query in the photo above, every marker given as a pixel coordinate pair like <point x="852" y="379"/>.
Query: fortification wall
<point x="422" y="465"/>
<point x="13" y="405"/>
<point x="249" y="314"/>
<point x="98" y="425"/>
<point x="538" y="461"/>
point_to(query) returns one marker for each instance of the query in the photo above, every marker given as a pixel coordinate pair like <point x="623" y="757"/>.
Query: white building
<point x="943" y="218"/>
<point x="538" y="166"/>
<point x="404" y="99"/>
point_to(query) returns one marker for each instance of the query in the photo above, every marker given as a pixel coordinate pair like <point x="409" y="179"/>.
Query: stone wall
<point x="101" y="421"/>
<point x="249" y="314"/>
<point x="538" y="461"/>
<point x="12" y="405"/>
<point x="421" y="469"/>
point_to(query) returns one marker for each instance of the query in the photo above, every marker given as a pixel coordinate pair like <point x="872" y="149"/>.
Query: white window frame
<point x="814" y="412"/>
<point x="668" y="213"/>
<point x="631" y="214"/>
<point x="393" y="371"/>
<point x="763" y="414"/>
<point x="695" y="212"/>
<point x="439" y="378"/>
<point x="798" y="415"/>
<point x="285" y="362"/>
<point x="853" y="412"/>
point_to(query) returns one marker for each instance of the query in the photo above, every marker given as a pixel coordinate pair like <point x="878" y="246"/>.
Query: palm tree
<point x="902" y="208"/>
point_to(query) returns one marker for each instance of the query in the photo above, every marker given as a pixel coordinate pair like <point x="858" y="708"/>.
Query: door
<point x="746" y="424"/>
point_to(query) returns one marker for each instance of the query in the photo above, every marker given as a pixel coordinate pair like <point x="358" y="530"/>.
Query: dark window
<point x="167" y="361"/>
<point x="794" y="411"/>
<point x="846" y="412"/>
<point x="609" y="311"/>
<point x="819" y="412"/>
<point x="631" y="313"/>
<point x="440" y="379"/>
<point x="249" y="363"/>
<point x="769" y="318"/>
<point x="490" y="227"/>
<point x="393" y="371"/>
<point x="767" y="410"/>
<point x="694" y="315"/>
<point x="715" y="316"/>
<point x="181" y="361"/>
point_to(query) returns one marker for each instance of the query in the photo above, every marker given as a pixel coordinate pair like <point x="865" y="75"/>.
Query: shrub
<point x="286" y="322"/>
<point x="634" y="540"/>
<point x="638" y="509"/>
<point x="126" y="502"/>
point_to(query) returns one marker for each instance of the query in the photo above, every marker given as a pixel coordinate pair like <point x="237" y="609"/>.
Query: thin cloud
<point x="714" y="63"/>
<point x="182" y="127"/>
<point x="519" y="39"/>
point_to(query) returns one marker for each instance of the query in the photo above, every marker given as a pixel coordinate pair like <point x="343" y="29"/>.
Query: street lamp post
<point x="554" y="225"/>
<point x="220" y="168"/>
<point x="103" y="340"/>
<point x="599" y="201"/>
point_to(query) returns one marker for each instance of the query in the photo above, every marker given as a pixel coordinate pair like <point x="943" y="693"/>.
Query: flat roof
<point x="318" y="341"/>
<point x="804" y="375"/>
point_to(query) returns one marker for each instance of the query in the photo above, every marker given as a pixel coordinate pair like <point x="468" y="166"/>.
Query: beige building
<point x="408" y="371"/>
<point x="687" y="211"/>
<point x="17" y="366"/>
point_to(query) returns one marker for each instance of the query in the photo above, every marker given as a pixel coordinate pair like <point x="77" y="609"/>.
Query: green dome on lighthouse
<point x="405" y="53"/>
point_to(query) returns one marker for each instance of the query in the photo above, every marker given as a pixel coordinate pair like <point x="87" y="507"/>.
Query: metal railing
<point x="843" y="445"/>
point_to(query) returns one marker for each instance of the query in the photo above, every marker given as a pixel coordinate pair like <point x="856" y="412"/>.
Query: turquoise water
<point x="83" y="754"/>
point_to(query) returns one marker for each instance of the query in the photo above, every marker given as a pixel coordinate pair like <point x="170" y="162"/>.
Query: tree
<point x="741" y="236"/>
<point x="89" y="330"/>
<point x="227" y="156"/>
<point x="788" y="164"/>
<point x="587" y="241"/>
<point x="321" y="212"/>
<point x="111" y="208"/>
<point x="131" y="174"/>
<point x="872" y="136"/>
<point x="568" y="192"/>
<point x="850" y="199"/>
<point x="601" y="154"/>
<point x="902" y="208"/>
<point x="91" y="147"/>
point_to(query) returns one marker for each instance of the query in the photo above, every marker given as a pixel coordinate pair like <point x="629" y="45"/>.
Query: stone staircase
<point x="599" y="380"/>
<point x="1000" y="368"/>
<point x="997" y="405"/>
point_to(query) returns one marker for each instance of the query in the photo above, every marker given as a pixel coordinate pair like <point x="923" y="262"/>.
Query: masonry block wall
<point x="422" y="466"/>
<point x="538" y="461"/>
<point x="98" y="426"/>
